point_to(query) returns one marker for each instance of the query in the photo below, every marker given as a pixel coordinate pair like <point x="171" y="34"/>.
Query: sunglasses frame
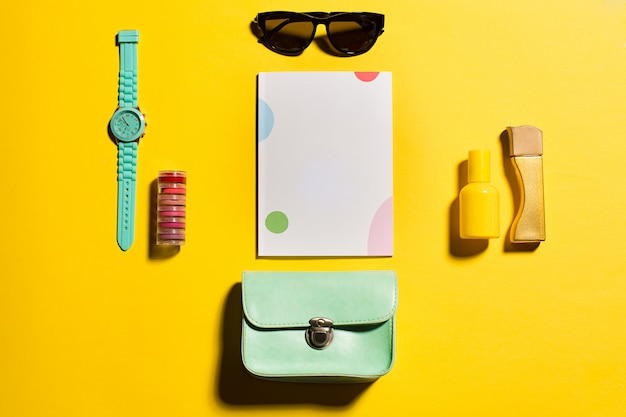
<point x="317" y="18"/>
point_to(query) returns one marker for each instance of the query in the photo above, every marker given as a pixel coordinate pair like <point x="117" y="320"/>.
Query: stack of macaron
<point x="171" y="207"/>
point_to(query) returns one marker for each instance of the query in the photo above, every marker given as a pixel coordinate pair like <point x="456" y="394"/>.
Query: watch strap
<point x="126" y="184"/>
<point x="127" y="40"/>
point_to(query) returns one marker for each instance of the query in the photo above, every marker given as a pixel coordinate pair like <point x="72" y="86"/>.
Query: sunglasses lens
<point x="288" y="36"/>
<point x="353" y="37"/>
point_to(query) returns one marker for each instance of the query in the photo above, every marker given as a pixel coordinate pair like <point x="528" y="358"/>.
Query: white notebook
<point x="324" y="168"/>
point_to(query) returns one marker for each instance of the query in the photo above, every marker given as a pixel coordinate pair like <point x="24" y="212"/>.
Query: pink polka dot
<point x="366" y="76"/>
<point x="380" y="242"/>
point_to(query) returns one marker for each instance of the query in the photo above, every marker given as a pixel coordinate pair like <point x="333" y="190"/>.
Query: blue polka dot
<point x="265" y="120"/>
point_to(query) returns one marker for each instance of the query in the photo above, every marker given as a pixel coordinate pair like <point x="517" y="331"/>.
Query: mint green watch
<point x="127" y="127"/>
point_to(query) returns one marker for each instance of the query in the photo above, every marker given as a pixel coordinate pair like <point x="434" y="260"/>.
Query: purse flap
<point x="291" y="299"/>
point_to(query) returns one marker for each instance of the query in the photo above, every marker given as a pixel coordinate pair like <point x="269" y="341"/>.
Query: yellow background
<point x="87" y="330"/>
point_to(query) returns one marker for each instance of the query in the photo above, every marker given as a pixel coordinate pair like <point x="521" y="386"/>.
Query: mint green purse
<point x="319" y="326"/>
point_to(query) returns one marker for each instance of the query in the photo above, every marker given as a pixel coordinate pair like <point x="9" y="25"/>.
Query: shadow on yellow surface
<point x="236" y="387"/>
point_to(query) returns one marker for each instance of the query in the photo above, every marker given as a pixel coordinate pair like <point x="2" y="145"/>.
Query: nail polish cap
<point x="478" y="166"/>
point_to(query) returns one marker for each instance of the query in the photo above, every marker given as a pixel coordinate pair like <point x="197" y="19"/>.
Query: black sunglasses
<point x="289" y="33"/>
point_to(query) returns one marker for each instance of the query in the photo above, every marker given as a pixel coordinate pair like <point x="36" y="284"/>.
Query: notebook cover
<point x="324" y="149"/>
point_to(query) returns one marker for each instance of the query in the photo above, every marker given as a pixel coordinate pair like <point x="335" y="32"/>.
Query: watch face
<point x="127" y="124"/>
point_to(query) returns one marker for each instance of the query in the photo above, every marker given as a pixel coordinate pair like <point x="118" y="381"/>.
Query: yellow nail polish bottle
<point x="479" y="201"/>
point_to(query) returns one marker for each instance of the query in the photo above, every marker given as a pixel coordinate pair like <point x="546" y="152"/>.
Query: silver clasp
<point x="320" y="334"/>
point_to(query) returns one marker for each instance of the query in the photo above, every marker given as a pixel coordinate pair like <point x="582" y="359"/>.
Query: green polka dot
<point x="276" y="222"/>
